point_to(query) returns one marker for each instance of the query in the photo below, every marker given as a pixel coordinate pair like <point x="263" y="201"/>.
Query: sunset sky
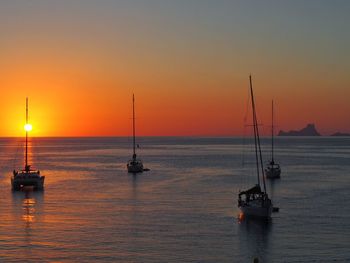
<point x="187" y="62"/>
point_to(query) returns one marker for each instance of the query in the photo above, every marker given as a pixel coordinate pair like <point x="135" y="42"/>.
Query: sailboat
<point x="27" y="177"/>
<point x="255" y="202"/>
<point x="134" y="165"/>
<point x="273" y="170"/>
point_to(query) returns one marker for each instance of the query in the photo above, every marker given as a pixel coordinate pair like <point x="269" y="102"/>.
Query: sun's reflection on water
<point x="26" y="203"/>
<point x="28" y="206"/>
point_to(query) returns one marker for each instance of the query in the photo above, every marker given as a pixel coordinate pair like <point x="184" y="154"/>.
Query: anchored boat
<point x="27" y="177"/>
<point x="255" y="201"/>
<point x="273" y="170"/>
<point x="134" y="165"/>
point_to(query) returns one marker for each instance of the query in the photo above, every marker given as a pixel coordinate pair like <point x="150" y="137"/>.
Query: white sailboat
<point x="255" y="202"/>
<point x="273" y="170"/>
<point x="134" y="165"/>
<point x="27" y="177"/>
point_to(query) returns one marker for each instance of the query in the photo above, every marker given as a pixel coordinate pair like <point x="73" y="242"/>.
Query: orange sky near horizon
<point x="189" y="72"/>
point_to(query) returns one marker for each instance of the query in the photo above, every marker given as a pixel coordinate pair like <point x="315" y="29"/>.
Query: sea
<point x="183" y="210"/>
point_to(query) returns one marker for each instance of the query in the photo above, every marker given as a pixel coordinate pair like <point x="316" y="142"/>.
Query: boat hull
<point x="273" y="173"/>
<point x="21" y="181"/>
<point x="259" y="212"/>
<point x="135" y="169"/>
<point x="256" y="205"/>
<point x="135" y="166"/>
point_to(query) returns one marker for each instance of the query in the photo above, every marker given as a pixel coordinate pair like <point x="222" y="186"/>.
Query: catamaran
<point x="255" y="202"/>
<point x="273" y="170"/>
<point x="27" y="177"/>
<point x="134" y="165"/>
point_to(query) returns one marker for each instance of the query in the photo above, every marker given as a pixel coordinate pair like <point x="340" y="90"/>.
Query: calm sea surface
<point x="183" y="210"/>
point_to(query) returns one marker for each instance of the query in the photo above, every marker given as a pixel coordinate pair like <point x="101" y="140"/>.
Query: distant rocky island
<point x="309" y="130"/>
<point x="340" y="134"/>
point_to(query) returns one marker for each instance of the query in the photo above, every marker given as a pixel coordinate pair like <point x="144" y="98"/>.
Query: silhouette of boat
<point x="27" y="177"/>
<point x="134" y="165"/>
<point x="273" y="170"/>
<point x="255" y="202"/>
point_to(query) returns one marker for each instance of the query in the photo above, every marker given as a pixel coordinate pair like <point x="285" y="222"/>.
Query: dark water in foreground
<point x="183" y="210"/>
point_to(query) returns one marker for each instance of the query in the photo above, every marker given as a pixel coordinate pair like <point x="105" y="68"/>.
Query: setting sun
<point x="28" y="127"/>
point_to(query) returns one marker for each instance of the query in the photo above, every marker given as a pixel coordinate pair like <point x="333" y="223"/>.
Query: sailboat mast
<point x="255" y="128"/>
<point x="261" y="160"/>
<point x="26" y="157"/>
<point x="257" y="139"/>
<point x="133" y="123"/>
<point x="272" y="132"/>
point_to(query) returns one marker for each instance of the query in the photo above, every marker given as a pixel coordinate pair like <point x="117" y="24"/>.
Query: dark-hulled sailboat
<point x="27" y="177"/>
<point x="134" y="165"/>
<point x="273" y="170"/>
<point x="255" y="202"/>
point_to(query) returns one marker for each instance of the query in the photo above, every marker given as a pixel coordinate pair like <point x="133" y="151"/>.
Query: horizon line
<point x="167" y="136"/>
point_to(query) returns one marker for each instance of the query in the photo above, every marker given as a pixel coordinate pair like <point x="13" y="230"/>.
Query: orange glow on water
<point x="28" y="206"/>
<point x="240" y="217"/>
